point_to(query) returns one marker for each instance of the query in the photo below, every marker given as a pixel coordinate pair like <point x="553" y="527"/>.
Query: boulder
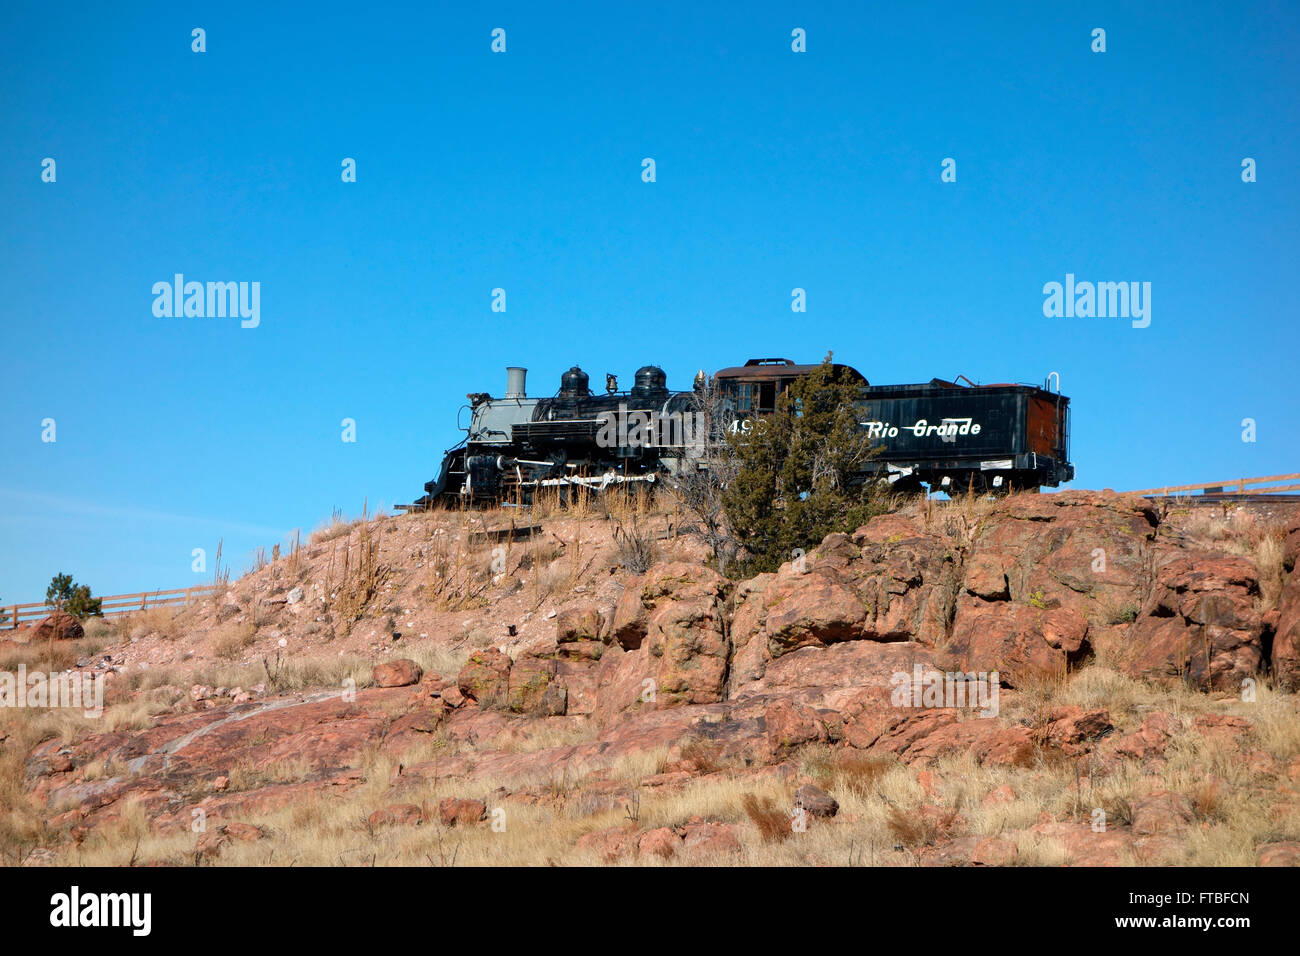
<point x="611" y="843"/>
<point x="397" y="815"/>
<point x="891" y="581"/>
<point x="1001" y="796"/>
<point x="533" y="689"/>
<point x="1282" y="853"/>
<point x="401" y="673"/>
<point x="1150" y="739"/>
<point x="812" y="609"/>
<point x="485" y="678"/>
<point x="816" y="801"/>
<point x="453" y="812"/>
<point x="994" y="851"/>
<point x="906" y="578"/>
<point x="701" y="838"/>
<point x="986" y="578"/>
<point x="578" y="630"/>
<point x="1072" y="728"/>
<point x="664" y="585"/>
<point x="791" y="725"/>
<point x="1084" y="550"/>
<point x="243" y="832"/>
<point x="59" y="626"/>
<point x="661" y="842"/>
<point x="1161" y="813"/>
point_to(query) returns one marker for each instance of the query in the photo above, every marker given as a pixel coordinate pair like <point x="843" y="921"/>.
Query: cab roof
<point x="774" y="368"/>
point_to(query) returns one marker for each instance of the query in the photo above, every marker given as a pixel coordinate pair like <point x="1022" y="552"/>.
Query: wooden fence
<point x="1235" y="486"/>
<point x="115" y="605"/>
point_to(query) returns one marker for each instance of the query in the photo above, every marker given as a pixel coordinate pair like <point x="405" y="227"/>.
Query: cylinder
<point x="515" y="379"/>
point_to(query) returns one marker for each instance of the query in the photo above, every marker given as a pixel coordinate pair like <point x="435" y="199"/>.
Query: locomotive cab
<point x="754" y="387"/>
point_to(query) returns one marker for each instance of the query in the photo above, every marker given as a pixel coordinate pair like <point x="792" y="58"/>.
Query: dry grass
<point x="634" y="544"/>
<point x="772" y="822"/>
<point x="550" y="580"/>
<point x="916" y="830"/>
<point x="575" y="502"/>
<point x="1209" y="801"/>
<point x="859" y="773"/>
<point x="636" y="503"/>
<point x="360" y="574"/>
<point x="1039" y="691"/>
<point x="232" y="639"/>
<point x="246" y="775"/>
<point x="1267" y="555"/>
<point x="287" y="675"/>
<point x="100" y="632"/>
<point x="438" y="658"/>
<point x="554" y="733"/>
<point x="459" y="574"/>
<point x="539" y="553"/>
<point x="338" y="526"/>
<point x="160" y="620"/>
<point x="22" y="827"/>
<point x="46" y="656"/>
<point x="881" y="801"/>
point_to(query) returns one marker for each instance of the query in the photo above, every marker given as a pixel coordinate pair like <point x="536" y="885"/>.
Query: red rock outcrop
<point x="1200" y="624"/>
<point x="1285" y="659"/>
<point x="670" y="642"/>
<point x="777" y="683"/>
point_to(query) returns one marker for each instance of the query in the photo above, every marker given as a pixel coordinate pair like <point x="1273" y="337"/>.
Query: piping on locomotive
<point x="948" y="436"/>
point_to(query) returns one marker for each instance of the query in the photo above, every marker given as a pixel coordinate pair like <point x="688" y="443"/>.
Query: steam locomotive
<point x="948" y="436"/>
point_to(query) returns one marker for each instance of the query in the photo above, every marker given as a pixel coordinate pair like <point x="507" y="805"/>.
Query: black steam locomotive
<point x="942" y="434"/>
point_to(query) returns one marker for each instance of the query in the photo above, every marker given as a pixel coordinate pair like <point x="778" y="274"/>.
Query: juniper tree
<point x="798" y="474"/>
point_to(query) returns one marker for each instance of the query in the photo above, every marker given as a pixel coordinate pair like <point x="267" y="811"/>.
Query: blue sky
<point x="522" y="171"/>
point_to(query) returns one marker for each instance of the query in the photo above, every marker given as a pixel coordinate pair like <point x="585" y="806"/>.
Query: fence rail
<point x="1234" y="486"/>
<point x="112" y="605"/>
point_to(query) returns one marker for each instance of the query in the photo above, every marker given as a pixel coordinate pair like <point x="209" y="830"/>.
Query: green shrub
<point x="65" y="595"/>
<point x="799" y="473"/>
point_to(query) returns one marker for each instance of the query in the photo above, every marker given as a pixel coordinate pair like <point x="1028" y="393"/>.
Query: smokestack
<point x="515" y="377"/>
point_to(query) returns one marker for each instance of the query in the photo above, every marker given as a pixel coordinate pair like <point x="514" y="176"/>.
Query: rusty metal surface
<point x="769" y="372"/>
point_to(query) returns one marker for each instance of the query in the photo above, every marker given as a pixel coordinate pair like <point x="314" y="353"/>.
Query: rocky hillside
<point x="464" y="691"/>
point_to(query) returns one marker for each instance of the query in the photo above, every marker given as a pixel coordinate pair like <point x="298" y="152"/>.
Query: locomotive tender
<point x="951" y="437"/>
